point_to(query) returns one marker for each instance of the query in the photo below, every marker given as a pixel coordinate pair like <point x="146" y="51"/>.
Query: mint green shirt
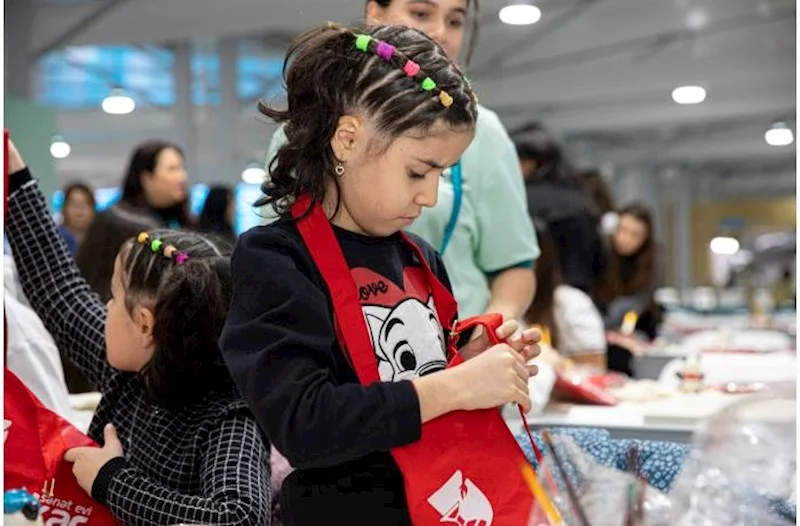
<point x="493" y="231"/>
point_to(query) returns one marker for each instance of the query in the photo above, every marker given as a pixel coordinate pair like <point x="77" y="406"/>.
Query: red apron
<point x="35" y="440"/>
<point x="467" y="467"/>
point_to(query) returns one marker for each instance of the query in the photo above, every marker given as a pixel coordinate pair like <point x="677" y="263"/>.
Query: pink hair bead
<point x="181" y="258"/>
<point x="411" y="68"/>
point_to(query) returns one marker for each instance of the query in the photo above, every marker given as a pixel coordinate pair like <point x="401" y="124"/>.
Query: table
<point x="675" y="418"/>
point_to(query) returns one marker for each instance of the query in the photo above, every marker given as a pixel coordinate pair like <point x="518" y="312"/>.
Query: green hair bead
<point x="362" y="42"/>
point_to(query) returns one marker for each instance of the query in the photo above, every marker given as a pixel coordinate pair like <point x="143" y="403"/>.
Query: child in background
<point x="178" y="444"/>
<point x="372" y="122"/>
<point x="574" y="324"/>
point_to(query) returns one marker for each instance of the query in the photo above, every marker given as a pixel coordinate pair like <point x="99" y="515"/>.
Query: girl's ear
<point x="145" y="321"/>
<point x="346" y="137"/>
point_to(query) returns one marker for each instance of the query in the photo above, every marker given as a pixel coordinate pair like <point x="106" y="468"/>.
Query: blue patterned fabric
<point x="659" y="462"/>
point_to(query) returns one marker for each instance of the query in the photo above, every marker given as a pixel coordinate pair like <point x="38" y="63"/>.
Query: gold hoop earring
<point x="339" y="170"/>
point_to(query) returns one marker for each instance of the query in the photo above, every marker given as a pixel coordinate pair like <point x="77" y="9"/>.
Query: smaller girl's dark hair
<point x="107" y="234"/>
<point x="190" y="302"/>
<point x="327" y="76"/>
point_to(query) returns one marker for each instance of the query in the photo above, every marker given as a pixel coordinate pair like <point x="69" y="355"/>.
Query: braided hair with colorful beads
<point x="396" y="77"/>
<point x="184" y="278"/>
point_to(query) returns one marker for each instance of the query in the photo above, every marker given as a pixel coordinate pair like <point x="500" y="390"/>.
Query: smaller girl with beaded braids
<point x="338" y="334"/>
<point x="178" y="444"/>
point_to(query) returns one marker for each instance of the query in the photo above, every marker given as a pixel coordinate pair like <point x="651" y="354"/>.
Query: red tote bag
<point x="35" y="440"/>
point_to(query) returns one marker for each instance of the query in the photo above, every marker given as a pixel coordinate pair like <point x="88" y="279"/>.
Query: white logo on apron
<point x="460" y="501"/>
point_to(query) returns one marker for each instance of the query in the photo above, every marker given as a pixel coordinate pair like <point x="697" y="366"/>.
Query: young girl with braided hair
<point x="178" y="443"/>
<point x="373" y="120"/>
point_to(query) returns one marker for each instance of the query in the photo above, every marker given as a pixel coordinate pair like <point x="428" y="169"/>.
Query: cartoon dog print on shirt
<point x="407" y="339"/>
<point x="403" y="324"/>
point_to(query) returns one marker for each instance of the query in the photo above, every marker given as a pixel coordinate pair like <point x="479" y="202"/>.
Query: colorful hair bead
<point x="411" y="68"/>
<point x="142" y="238"/>
<point x="181" y="258"/>
<point x="385" y="51"/>
<point x="428" y="84"/>
<point x="169" y="251"/>
<point x="362" y="42"/>
<point x="156" y="245"/>
<point x="445" y="99"/>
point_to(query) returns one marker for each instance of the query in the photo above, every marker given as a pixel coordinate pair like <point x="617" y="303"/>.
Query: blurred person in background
<point x="479" y="224"/>
<point x="630" y="277"/>
<point x="77" y="214"/>
<point x="600" y="194"/>
<point x="596" y="188"/>
<point x="555" y="196"/>
<point x="153" y="195"/>
<point x="572" y="321"/>
<point x="217" y="216"/>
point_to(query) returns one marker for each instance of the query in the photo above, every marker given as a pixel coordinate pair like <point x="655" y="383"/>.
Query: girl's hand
<point x="492" y="378"/>
<point x="525" y="343"/>
<point x="87" y="461"/>
<point x="15" y="162"/>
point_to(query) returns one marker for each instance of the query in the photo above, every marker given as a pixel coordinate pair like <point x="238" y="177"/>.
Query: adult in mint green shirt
<point x="490" y="255"/>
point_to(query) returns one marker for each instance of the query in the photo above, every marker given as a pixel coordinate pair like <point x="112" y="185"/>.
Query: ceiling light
<point x="59" y="148"/>
<point x="520" y="14"/>
<point x="696" y="19"/>
<point x="724" y="245"/>
<point x="689" y="94"/>
<point x="254" y="174"/>
<point x="780" y="134"/>
<point x="118" y="103"/>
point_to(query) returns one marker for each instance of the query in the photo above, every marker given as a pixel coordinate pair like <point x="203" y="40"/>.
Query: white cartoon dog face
<point x="407" y="339"/>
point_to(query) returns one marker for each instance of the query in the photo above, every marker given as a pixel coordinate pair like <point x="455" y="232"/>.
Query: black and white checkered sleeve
<point x="52" y="282"/>
<point x="235" y="489"/>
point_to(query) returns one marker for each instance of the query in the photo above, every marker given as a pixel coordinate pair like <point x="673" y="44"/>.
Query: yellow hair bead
<point x="445" y="99"/>
<point x="142" y="238"/>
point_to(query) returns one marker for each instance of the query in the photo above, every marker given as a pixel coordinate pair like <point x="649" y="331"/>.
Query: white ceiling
<point x="598" y="72"/>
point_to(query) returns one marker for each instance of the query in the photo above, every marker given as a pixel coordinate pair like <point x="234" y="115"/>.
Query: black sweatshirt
<point x="280" y="345"/>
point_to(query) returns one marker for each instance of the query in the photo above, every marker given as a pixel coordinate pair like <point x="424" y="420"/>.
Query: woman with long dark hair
<point x="153" y="195"/>
<point x="627" y="284"/>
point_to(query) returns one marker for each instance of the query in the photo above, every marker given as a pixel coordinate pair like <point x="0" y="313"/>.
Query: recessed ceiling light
<point x="780" y="134"/>
<point x="254" y="174"/>
<point x="59" y="148"/>
<point x="118" y="103"/>
<point x="520" y="14"/>
<point x="696" y="19"/>
<point x="689" y="94"/>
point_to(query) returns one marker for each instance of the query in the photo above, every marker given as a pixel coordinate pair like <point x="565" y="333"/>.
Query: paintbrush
<point x="571" y="493"/>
